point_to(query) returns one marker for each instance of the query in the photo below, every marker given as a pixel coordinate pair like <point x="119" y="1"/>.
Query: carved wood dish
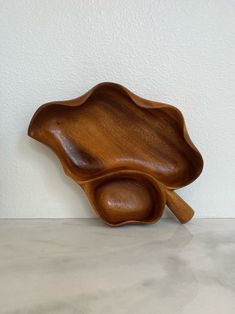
<point x="127" y="153"/>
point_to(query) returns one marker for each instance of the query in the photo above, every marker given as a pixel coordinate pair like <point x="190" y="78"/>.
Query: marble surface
<point x="82" y="266"/>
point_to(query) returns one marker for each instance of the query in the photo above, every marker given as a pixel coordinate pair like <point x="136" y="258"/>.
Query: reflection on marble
<point x="82" y="266"/>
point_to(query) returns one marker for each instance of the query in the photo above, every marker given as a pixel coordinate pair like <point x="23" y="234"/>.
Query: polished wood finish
<point x="127" y="153"/>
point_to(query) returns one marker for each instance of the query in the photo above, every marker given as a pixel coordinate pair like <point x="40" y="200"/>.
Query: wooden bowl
<point x="127" y="153"/>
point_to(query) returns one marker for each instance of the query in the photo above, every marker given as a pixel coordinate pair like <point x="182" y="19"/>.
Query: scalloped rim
<point x="139" y="101"/>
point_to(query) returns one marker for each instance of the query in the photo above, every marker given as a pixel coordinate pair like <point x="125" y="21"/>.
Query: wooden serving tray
<point x="127" y="153"/>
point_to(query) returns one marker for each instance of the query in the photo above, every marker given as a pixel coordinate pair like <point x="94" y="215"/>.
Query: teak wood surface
<point x="127" y="153"/>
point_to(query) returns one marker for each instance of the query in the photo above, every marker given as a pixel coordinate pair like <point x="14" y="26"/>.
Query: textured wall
<point x="178" y="52"/>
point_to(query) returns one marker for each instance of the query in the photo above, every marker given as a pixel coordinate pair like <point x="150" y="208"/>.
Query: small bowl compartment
<point x="123" y="198"/>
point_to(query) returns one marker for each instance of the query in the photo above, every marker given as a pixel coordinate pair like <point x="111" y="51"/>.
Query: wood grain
<point x="124" y="142"/>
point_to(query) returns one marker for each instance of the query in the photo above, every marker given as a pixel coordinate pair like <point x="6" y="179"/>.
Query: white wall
<point x="179" y="52"/>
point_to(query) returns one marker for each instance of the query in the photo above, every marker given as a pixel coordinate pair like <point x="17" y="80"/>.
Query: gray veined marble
<point x="82" y="266"/>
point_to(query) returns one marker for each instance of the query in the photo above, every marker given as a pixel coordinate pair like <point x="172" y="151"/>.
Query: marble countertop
<point x="82" y="266"/>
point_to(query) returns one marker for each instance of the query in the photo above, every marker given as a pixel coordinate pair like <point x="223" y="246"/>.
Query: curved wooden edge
<point x="139" y="101"/>
<point x="179" y="207"/>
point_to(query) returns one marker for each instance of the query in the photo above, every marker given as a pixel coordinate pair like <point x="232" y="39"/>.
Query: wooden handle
<point x="178" y="206"/>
